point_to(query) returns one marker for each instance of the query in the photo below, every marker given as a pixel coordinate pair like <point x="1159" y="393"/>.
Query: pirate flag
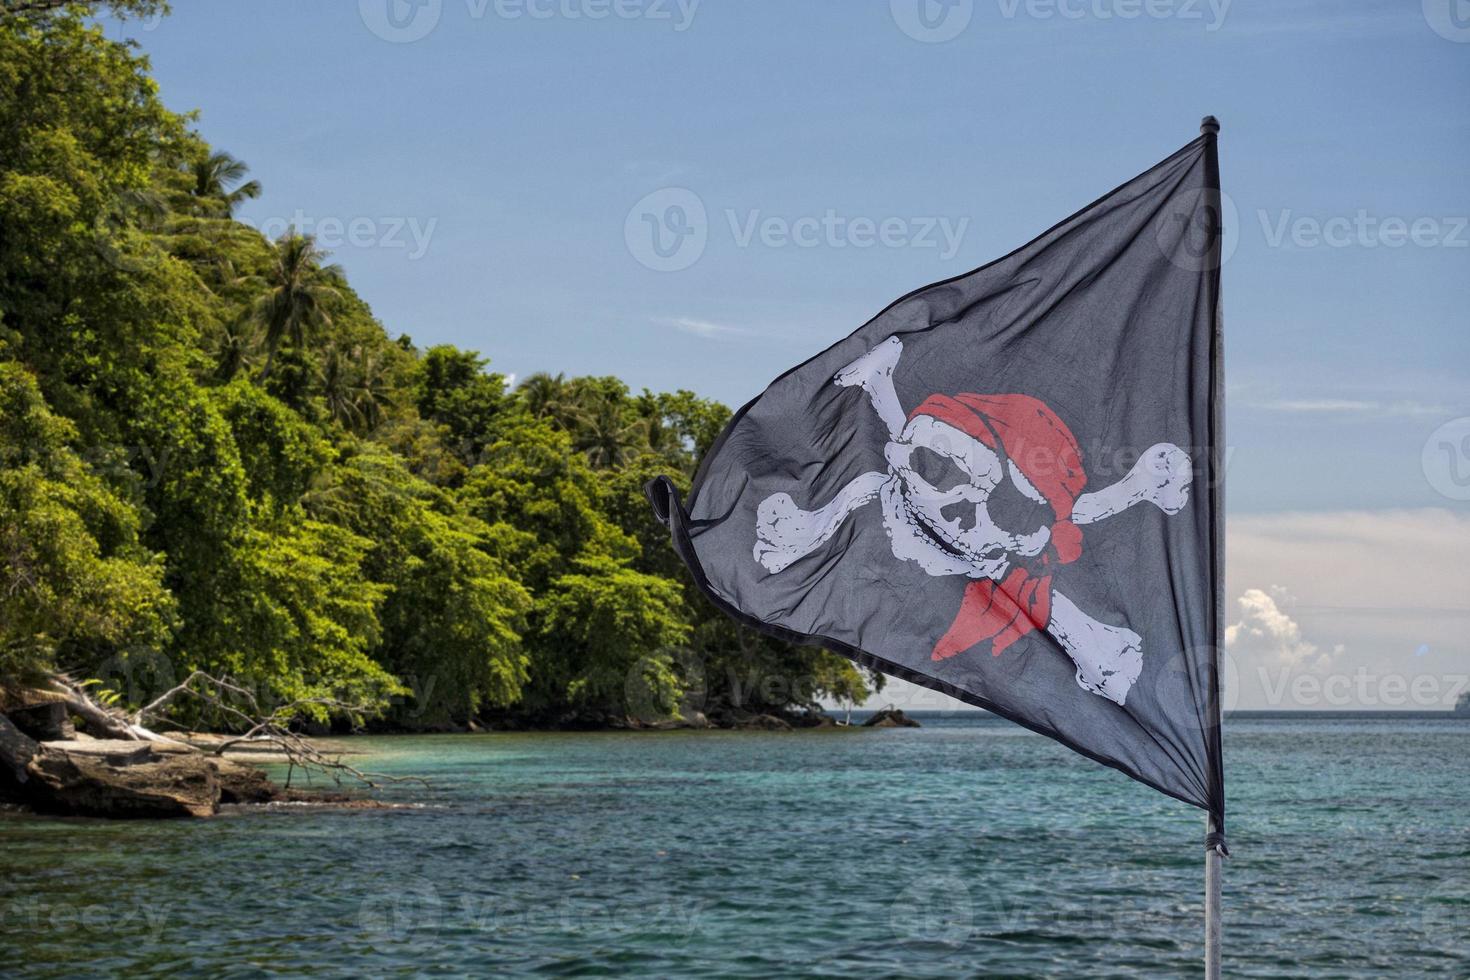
<point x="1006" y="487"/>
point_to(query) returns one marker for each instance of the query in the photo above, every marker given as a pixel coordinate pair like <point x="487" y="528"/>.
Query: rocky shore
<point x="85" y="776"/>
<point x="48" y="766"/>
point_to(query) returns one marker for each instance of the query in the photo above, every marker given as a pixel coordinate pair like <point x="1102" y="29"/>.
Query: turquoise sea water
<point x="967" y="847"/>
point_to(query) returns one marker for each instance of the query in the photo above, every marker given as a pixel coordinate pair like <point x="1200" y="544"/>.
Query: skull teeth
<point x="947" y="541"/>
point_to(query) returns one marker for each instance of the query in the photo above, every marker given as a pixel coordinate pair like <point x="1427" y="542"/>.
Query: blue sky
<point x="491" y="167"/>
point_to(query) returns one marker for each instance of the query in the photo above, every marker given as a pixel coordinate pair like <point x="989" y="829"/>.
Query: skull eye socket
<point x="1014" y="510"/>
<point x="939" y="471"/>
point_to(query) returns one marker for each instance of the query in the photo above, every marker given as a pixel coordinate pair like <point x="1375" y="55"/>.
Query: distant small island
<point x="1462" y="707"/>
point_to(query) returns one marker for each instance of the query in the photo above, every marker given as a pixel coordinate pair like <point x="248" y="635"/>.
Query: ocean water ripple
<point x="965" y="847"/>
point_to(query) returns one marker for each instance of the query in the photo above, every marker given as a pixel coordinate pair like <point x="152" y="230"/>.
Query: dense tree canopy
<point x="215" y="457"/>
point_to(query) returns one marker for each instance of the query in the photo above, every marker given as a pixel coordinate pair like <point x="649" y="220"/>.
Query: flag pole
<point x="1212" y="906"/>
<point x="1214" y="832"/>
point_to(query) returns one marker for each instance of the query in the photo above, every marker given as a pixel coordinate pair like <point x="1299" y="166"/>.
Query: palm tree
<point x="654" y="432"/>
<point x="299" y="287"/>
<point x="372" y="395"/>
<point x="235" y="347"/>
<point x="337" y="385"/>
<point x="356" y="389"/>
<point x="216" y="177"/>
<point x="554" y="398"/>
<point x="609" y="437"/>
<point x="541" y="390"/>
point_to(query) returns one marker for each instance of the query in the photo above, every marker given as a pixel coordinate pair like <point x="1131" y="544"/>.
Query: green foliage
<point x="215" y="457"/>
<point x="453" y="390"/>
<point x="74" y="581"/>
<point x="598" y="623"/>
<point x="304" y="617"/>
<point x="279" y="452"/>
<point x="453" y="612"/>
<point x="118" y="8"/>
<point x="530" y="478"/>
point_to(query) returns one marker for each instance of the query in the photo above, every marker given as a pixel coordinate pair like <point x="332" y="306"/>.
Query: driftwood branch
<point x="243" y="712"/>
<point x="270" y="728"/>
<point x="99" y="719"/>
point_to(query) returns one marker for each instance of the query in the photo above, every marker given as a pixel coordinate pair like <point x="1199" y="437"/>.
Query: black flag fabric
<point x="1006" y="487"/>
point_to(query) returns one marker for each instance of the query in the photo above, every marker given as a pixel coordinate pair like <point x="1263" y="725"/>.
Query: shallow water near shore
<point x="968" y="846"/>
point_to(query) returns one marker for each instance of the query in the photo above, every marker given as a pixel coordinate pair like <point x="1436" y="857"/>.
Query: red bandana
<point x="1043" y="448"/>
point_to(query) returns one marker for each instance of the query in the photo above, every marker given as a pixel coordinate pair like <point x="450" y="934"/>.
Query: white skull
<point x="955" y="507"/>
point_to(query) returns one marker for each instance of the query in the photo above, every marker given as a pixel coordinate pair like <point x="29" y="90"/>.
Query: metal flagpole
<point x="1212" y="906"/>
<point x="1214" y="833"/>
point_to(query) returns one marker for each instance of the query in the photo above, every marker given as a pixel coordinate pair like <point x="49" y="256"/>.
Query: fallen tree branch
<point x="269" y="728"/>
<point x="256" y="725"/>
<point x="99" y="719"/>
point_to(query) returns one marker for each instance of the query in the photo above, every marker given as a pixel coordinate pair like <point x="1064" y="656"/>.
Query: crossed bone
<point x="1108" y="658"/>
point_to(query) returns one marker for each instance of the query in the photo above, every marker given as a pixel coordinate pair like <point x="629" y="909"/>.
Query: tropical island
<point x="230" y="496"/>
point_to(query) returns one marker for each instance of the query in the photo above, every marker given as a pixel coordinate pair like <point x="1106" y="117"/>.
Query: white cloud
<point x="1377" y="615"/>
<point x="1266" y="635"/>
<point x="703" y="328"/>
<point x="1318" y="405"/>
<point x="1351" y="406"/>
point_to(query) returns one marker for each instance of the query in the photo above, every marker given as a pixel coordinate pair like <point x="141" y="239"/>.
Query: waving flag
<point x="1006" y="487"/>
